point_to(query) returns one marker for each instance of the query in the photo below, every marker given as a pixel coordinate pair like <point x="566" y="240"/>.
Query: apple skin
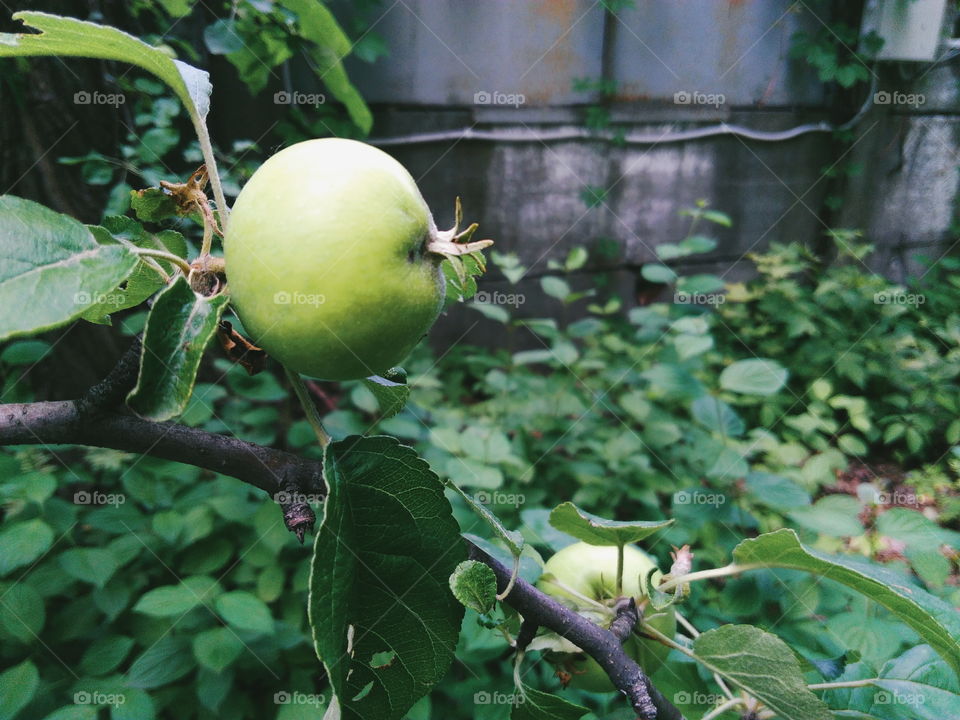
<point x="591" y="570"/>
<point x="327" y="263"/>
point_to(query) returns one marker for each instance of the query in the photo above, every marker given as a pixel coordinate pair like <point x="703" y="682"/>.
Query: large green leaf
<point x="594" y="530"/>
<point x="65" y="36"/>
<point x="764" y="666"/>
<point x="51" y="268"/>
<point x="180" y="325"/>
<point x="330" y="46"/>
<point x="933" y="619"/>
<point x="385" y="623"/>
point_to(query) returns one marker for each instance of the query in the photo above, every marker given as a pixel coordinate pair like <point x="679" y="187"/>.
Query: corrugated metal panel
<point x="451" y="52"/>
<point x="445" y="52"/>
<point x="738" y="49"/>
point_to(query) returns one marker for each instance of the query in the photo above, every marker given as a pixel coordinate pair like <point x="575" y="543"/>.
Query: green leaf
<point x="175" y="600"/>
<point x="93" y="565"/>
<point x="51" y="267"/>
<point x="245" y="611"/>
<point x="145" y="280"/>
<point x="22" y="543"/>
<point x="22" y="613"/>
<point x="169" y="659"/>
<point x="391" y="391"/>
<point x="512" y="538"/>
<point x="918" y="684"/>
<point x="714" y="414"/>
<point x="594" y="530"/>
<point x="105" y="654"/>
<point x="17" y="687"/>
<point x="382" y="559"/>
<point x="539" y="705"/>
<point x="933" y="619"/>
<point x="753" y="377"/>
<point x="474" y="585"/>
<point x="217" y="648"/>
<point x="330" y="46"/>
<point x="656" y="273"/>
<point x="764" y="666"/>
<point x="180" y="325"/>
<point x="555" y="287"/>
<point x="63" y="37"/>
<point x="154" y="204"/>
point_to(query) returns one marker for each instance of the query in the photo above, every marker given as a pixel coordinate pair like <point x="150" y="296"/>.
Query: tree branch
<point x="602" y="645"/>
<point x="285" y="476"/>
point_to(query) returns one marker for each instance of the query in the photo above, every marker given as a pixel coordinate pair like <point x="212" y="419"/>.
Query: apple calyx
<point x="455" y="242"/>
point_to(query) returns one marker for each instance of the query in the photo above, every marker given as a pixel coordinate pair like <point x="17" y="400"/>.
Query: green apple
<point x="581" y="570"/>
<point x="331" y="260"/>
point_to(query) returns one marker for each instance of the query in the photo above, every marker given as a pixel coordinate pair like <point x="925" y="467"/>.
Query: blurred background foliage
<point x="723" y="405"/>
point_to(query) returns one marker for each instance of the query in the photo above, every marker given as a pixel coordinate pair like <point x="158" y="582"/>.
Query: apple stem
<point x="513" y="579"/>
<point x="163" y="255"/>
<point x="313" y="417"/>
<point x="619" y="569"/>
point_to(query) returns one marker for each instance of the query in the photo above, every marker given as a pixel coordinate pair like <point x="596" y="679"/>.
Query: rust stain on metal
<point x="563" y="12"/>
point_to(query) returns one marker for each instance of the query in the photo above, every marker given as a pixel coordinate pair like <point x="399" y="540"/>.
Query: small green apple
<point x="333" y="259"/>
<point x="591" y="571"/>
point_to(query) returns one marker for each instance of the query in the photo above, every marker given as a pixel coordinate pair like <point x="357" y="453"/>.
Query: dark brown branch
<point x="602" y="645"/>
<point x="83" y="423"/>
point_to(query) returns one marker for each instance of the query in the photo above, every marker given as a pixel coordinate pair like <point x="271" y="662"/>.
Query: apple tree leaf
<point x="763" y="665"/>
<point x="474" y="585"/>
<point x="69" y="37"/>
<point x="391" y="391"/>
<point x="51" y="267"/>
<point x="385" y="624"/>
<point x="538" y="705"/>
<point x="180" y="325"/>
<point x="594" y="530"/>
<point x="934" y="620"/>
